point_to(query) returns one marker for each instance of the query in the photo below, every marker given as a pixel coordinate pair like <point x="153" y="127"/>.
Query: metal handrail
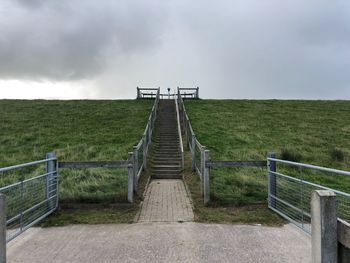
<point x="310" y="166"/>
<point x="23" y="165"/>
<point x="180" y="135"/>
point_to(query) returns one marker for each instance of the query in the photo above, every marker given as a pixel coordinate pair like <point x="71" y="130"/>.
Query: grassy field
<point x="74" y="130"/>
<point x="315" y="132"/>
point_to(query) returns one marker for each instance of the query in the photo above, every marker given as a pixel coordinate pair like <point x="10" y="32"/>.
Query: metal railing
<point x="140" y="151"/>
<point x="180" y="134"/>
<point x="290" y="195"/>
<point x="189" y="93"/>
<point x="32" y="197"/>
<point x="199" y="154"/>
<point x="147" y="93"/>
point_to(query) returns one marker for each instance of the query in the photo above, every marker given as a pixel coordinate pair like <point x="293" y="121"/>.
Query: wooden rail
<point x="93" y="164"/>
<point x="218" y="163"/>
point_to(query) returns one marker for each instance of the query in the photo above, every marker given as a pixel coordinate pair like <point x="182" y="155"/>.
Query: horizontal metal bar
<point x="93" y="164"/>
<point x="27" y="180"/>
<point x="187" y="88"/>
<point x="309" y="183"/>
<point x="218" y="163"/>
<point x="300" y="225"/>
<point x="310" y="166"/>
<point x="31" y="224"/>
<point x="290" y="205"/>
<point x="148" y="88"/>
<point x="20" y="166"/>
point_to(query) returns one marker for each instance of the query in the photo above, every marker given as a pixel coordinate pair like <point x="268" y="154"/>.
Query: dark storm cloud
<point x="236" y="49"/>
<point x="64" y="40"/>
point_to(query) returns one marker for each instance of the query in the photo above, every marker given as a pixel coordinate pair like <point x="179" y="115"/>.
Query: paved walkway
<point x="161" y="242"/>
<point x="166" y="201"/>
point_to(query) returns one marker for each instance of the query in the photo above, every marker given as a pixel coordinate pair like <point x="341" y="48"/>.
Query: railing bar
<point x="19" y="166"/>
<point x="309" y="183"/>
<point x="320" y="168"/>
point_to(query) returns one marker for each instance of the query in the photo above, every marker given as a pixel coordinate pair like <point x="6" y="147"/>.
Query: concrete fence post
<point x="135" y="165"/>
<point x="130" y="177"/>
<point x="324" y="227"/>
<point x="50" y="179"/>
<point x="193" y="146"/>
<point x="272" y="187"/>
<point x="2" y="228"/>
<point x="206" y="179"/>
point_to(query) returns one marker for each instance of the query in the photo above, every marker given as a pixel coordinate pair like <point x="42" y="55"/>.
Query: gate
<point x="32" y="195"/>
<point x="289" y="194"/>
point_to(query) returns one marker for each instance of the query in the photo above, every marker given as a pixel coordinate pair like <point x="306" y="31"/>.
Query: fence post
<point x="206" y="179"/>
<point x="136" y="165"/>
<point x="138" y="92"/>
<point x="144" y="152"/>
<point x="197" y="93"/>
<point x="193" y="144"/>
<point x="324" y="227"/>
<point x="2" y="228"/>
<point x="50" y="168"/>
<point x="272" y="187"/>
<point x="130" y="177"/>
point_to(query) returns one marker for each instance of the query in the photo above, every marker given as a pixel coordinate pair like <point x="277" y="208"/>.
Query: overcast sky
<point x="231" y="49"/>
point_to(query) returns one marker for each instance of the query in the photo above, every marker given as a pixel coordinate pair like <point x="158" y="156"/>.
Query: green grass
<point x="307" y="131"/>
<point x="216" y="213"/>
<point x="74" y="130"/>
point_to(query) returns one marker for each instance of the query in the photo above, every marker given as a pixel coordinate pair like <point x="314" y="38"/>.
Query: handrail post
<point x="193" y="152"/>
<point x="130" y="177"/>
<point x="144" y="152"/>
<point x="272" y="187"/>
<point x="206" y="179"/>
<point x="2" y="228"/>
<point x="136" y="166"/>
<point x="50" y="179"/>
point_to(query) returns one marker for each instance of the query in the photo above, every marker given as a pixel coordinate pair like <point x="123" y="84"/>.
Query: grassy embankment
<point x="316" y="132"/>
<point x="74" y="130"/>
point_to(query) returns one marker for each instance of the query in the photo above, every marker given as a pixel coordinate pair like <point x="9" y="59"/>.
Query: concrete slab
<point x="161" y="242"/>
<point x="166" y="200"/>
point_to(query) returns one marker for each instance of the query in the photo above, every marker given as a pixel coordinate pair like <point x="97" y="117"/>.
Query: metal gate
<point x="31" y="196"/>
<point x="290" y="195"/>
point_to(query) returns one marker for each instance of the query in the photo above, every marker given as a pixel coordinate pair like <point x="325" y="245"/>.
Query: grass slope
<point x="316" y="132"/>
<point x="74" y="130"/>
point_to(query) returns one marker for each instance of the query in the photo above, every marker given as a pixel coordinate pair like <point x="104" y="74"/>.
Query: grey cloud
<point x="72" y="39"/>
<point x="231" y="49"/>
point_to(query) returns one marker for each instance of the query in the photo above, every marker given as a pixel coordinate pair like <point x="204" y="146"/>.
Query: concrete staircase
<point x="166" y="156"/>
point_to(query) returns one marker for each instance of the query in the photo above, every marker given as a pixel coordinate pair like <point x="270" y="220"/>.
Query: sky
<point x="88" y="49"/>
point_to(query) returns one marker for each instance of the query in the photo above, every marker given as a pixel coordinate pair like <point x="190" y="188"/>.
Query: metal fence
<point x="199" y="153"/>
<point x="32" y="197"/>
<point x="290" y="194"/>
<point x="140" y="151"/>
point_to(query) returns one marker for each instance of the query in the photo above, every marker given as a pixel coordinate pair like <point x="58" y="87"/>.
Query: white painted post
<point x="193" y="145"/>
<point x="130" y="177"/>
<point x="2" y="228"/>
<point x="206" y="179"/>
<point x="324" y="227"/>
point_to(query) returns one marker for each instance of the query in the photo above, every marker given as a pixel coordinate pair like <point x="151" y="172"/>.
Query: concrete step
<point x="167" y="176"/>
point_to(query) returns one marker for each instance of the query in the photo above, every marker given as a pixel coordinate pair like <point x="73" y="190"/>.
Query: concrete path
<point x="166" y="201"/>
<point x="161" y="242"/>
